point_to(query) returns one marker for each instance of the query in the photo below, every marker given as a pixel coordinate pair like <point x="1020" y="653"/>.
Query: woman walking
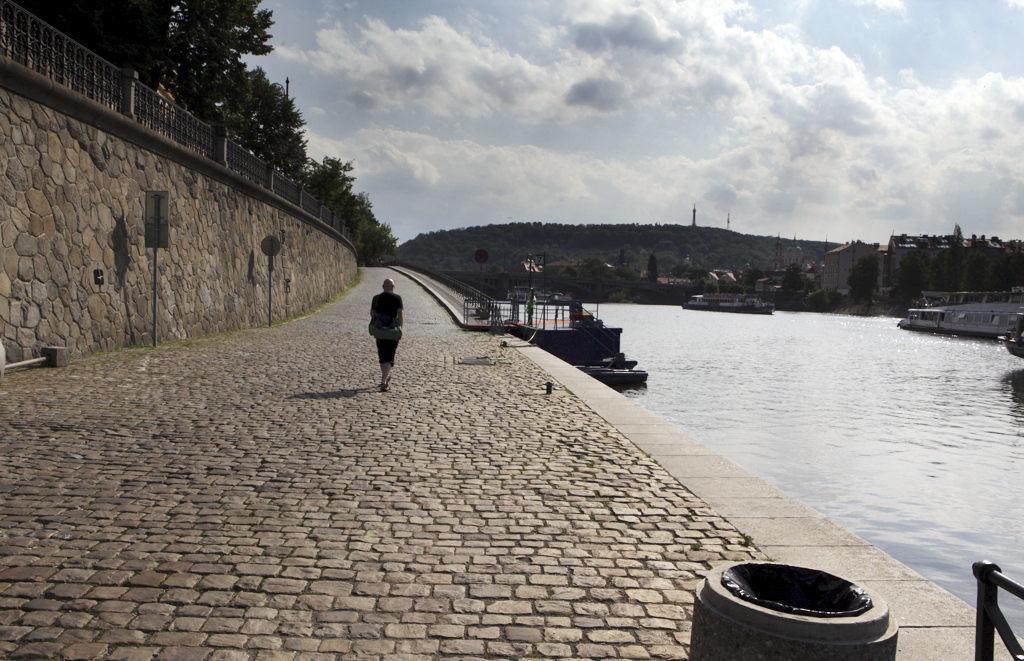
<point x="386" y="326"/>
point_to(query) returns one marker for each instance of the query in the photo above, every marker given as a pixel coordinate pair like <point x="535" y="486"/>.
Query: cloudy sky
<point x="845" y="118"/>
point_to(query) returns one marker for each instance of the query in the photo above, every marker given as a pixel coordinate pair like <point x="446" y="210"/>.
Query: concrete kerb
<point x="934" y="623"/>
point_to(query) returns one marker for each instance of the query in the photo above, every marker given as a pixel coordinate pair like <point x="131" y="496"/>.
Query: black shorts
<point x="386" y="350"/>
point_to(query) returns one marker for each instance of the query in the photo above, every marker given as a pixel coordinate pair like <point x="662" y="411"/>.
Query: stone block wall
<point x="72" y="203"/>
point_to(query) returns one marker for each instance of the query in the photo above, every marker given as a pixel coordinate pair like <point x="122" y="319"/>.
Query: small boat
<point x="1014" y="344"/>
<point x="742" y="303"/>
<point x="615" y="377"/>
<point x="615" y="371"/>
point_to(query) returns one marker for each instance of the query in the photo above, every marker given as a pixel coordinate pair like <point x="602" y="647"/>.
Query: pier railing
<point x="37" y="45"/>
<point x="990" y="617"/>
<point x="478" y="309"/>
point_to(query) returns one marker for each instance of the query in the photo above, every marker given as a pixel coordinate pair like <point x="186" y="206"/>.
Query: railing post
<point x="220" y="144"/>
<point x="988" y="597"/>
<point x="270" y="177"/>
<point x="128" y="79"/>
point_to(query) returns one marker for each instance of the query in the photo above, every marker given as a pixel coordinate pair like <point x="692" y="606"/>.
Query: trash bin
<point x="763" y="611"/>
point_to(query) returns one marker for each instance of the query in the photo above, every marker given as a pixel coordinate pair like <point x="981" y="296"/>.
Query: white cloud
<point x="891" y="6"/>
<point x="807" y="142"/>
<point x="434" y="68"/>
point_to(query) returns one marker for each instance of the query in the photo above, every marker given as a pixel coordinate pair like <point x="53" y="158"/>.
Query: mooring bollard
<point x="765" y="610"/>
<point x="549" y="387"/>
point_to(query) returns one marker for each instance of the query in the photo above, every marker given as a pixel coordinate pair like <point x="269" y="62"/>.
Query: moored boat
<point x="621" y="378"/>
<point x="742" y="303"/>
<point x="1014" y="345"/>
<point x="992" y="320"/>
<point x="1014" y="340"/>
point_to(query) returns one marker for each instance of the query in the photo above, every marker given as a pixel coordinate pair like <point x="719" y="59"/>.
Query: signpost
<point x="270" y="246"/>
<point x="157" y="236"/>
<point x="481" y="257"/>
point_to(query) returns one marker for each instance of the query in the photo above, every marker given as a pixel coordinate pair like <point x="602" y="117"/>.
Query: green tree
<point x="821" y="300"/>
<point x="999" y="273"/>
<point x="265" y="120"/>
<point x="193" y="48"/>
<point x="652" y="268"/>
<point x="374" y="240"/>
<point x="331" y="181"/>
<point x="793" y="280"/>
<point x="955" y="260"/>
<point x="940" y="273"/>
<point x="751" y="276"/>
<point x="623" y="273"/>
<point x="912" y="276"/>
<point x="976" y="270"/>
<point x="863" y="278"/>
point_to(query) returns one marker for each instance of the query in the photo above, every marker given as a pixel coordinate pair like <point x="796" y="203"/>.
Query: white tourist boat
<point x="985" y="318"/>
<point x="743" y="303"/>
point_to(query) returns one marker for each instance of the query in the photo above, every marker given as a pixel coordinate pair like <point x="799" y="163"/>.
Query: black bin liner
<point x="796" y="590"/>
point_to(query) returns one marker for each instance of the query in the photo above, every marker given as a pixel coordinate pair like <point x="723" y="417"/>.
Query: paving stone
<point x="239" y="497"/>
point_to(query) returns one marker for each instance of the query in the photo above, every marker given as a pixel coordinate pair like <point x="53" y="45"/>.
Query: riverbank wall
<point x="74" y="267"/>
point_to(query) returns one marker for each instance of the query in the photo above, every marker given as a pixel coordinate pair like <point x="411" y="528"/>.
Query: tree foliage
<point x="863" y="279"/>
<point x="912" y="276"/>
<point x="823" y="300"/>
<point x="266" y="121"/>
<point x="195" y="50"/>
<point x="793" y="280"/>
<point x="332" y="182"/>
<point x="652" y="268"/>
<point x="673" y="245"/>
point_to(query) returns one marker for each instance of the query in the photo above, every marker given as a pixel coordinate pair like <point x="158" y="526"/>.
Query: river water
<point x="913" y="441"/>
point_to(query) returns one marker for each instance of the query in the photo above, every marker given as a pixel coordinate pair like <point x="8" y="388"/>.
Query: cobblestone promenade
<point x="255" y="496"/>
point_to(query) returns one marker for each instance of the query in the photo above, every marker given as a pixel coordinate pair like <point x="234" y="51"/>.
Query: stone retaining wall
<point x="71" y="203"/>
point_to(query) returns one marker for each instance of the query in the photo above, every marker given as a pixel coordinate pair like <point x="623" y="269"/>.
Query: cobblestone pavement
<point x="254" y="496"/>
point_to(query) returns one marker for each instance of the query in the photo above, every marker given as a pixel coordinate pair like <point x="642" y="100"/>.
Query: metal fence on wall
<point x="33" y="43"/>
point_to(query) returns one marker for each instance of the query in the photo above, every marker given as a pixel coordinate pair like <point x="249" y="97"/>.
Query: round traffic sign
<point x="270" y="245"/>
<point x="480" y="256"/>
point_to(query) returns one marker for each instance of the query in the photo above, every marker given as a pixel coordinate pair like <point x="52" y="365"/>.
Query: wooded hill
<point x="706" y="247"/>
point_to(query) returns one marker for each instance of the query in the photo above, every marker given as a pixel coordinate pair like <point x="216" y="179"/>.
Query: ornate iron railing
<point x="172" y="121"/>
<point x="286" y="188"/>
<point x="310" y="204"/>
<point x="247" y="164"/>
<point x="990" y="616"/>
<point x="34" y="43"/>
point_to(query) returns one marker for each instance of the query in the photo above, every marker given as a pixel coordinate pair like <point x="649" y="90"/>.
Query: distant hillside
<point x="706" y="247"/>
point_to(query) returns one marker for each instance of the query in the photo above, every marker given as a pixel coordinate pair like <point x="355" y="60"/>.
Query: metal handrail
<point x="990" y="617"/>
<point x="37" y="45"/>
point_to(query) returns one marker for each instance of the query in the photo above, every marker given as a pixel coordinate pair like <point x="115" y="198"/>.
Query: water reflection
<point x="912" y="440"/>
<point x="1015" y="382"/>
